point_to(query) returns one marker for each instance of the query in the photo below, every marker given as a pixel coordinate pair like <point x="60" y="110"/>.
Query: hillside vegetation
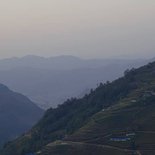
<point x="116" y="118"/>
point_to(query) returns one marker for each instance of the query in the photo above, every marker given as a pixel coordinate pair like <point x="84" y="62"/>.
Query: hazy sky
<point x="85" y="28"/>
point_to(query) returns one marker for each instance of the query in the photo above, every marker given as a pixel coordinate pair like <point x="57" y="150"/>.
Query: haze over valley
<point x="51" y="81"/>
<point x="77" y="77"/>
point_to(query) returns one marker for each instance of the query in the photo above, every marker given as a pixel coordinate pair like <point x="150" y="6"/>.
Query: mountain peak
<point x="32" y="57"/>
<point x="66" y="57"/>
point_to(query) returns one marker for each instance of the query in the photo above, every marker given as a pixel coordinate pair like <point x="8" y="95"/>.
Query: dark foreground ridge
<point x="17" y="114"/>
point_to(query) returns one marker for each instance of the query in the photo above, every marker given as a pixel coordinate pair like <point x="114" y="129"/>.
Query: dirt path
<point x="99" y="145"/>
<point x="88" y="141"/>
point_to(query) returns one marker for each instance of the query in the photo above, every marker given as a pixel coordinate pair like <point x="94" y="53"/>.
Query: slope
<point x="17" y="114"/>
<point x="127" y="127"/>
<point x="111" y="107"/>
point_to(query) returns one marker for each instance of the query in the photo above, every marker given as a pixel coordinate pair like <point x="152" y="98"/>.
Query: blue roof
<point x="30" y="154"/>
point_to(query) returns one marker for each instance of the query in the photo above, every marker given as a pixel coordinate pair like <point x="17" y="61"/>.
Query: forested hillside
<point x="116" y="118"/>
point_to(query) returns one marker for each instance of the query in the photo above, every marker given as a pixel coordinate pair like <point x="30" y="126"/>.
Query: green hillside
<point x="116" y="118"/>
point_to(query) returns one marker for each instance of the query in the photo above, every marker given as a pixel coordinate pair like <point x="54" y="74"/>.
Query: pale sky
<point x="84" y="28"/>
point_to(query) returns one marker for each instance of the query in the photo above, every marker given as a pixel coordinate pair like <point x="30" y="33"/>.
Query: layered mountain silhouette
<point x="17" y="114"/>
<point x="117" y="118"/>
<point x="50" y="81"/>
<point x="64" y="62"/>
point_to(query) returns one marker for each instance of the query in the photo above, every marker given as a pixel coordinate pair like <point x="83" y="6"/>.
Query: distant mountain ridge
<point x="38" y="62"/>
<point x="50" y="81"/>
<point x="58" y="62"/>
<point x="3" y="88"/>
<point x="17" y="114"/>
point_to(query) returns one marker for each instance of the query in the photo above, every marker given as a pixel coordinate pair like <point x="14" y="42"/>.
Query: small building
<point x="133" y="101"/>
<point x="120" y="139"/>
<point x="130" y="134"/>
<point x="149" y="93"/>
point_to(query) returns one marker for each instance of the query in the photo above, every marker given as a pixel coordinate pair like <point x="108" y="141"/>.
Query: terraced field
<point x="117" y="118"/>
<point x="134" y="120"/>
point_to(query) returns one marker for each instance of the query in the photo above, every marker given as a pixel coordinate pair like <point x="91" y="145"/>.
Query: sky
<point x="84" y="28"/>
